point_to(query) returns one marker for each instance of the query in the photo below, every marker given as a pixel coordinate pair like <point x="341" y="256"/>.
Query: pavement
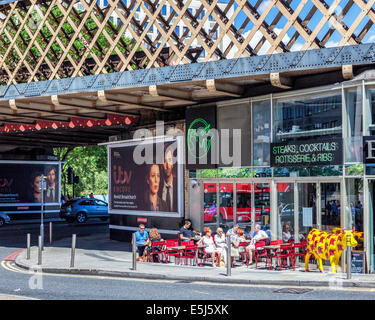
<point x="100" y="256"/>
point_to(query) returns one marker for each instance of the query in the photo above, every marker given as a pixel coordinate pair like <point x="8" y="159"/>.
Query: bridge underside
<point x="87" y="110"/>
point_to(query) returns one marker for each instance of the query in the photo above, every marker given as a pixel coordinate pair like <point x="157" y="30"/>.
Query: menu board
<point x="358" y="261"/>
<point x="307" y="217"/>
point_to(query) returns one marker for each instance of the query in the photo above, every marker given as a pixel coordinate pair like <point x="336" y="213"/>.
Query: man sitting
<point x="141" y="240"/>
<point x="186" y="232"/>
<point x="258" y="236"/>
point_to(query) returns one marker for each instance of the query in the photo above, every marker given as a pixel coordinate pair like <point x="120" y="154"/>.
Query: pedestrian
<point x="91" y="195"/>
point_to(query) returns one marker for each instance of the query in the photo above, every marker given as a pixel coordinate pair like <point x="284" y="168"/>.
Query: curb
<point x="139" y="275"/>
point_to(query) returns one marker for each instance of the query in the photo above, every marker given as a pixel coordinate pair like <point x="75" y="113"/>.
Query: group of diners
<point x="215" y="246"/>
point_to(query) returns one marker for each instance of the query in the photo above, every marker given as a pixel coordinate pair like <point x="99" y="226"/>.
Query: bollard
<point x="28" y="246"/>
<point x="348" y="258"/>
<point x="134" y="252"/>
<point x="50" y="233"/>
<point x="73" y="251"/>
<point x="39" y="250"/>
<point x="229" y="258"/>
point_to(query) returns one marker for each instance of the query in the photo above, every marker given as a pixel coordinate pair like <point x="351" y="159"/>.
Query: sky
<point x="348" y="19"/>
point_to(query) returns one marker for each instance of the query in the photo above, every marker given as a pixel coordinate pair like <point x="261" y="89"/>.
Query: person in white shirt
<point x="221" y="243"/>
<point x="210" y="248"/>
<point x="286" y="232"/>
<point x="258" y="236"/>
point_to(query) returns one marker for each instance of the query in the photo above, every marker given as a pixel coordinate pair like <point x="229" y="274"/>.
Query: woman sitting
<point x="210" y="248"/>
<point x="154" y="235"/>
<point x="287" y="236"/>
<point x="221" y="243"/>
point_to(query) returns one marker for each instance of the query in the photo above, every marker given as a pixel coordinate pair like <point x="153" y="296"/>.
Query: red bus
<point x="261" y="194"/>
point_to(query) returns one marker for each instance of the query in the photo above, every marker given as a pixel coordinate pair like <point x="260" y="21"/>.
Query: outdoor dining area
<point x="195" y="249"/>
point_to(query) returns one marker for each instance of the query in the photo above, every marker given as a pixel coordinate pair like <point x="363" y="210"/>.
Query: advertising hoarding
<point x="151" y="188"/>
<point x="19" y="183"/>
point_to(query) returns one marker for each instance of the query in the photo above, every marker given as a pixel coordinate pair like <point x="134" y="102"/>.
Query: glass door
<point x="330" y="205"/>
<point x="307" y="209"/>
<point x="226" y="200"/>
<point x="285" y="211"/>
<point x="243" y="212"/>
<point x="262" y="204"/>
<point x="371" y="201"/>
<point x="210" y="205"/>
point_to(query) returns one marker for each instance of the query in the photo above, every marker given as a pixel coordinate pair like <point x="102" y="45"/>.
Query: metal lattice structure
<point x="45" y="40"/>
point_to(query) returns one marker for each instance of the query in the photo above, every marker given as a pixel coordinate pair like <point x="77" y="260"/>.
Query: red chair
<point x="206" y="256"/>
<point x="171" y="252"/>
<point x="260" y="252"/>
<point x="286" y="251"/>
<point x="157" y="248"/>
<point x="190" y="252"/>
<point x="243" y="254"/>
<point x="274" y="253"/>
<point x="187" y="243"/>
<point x="300" y="250"/>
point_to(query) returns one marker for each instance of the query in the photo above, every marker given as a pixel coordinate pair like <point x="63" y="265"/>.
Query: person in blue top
<point x="141" y="239"/>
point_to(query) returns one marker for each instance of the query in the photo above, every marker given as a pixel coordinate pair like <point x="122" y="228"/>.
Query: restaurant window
<point x="370" y="111"/>
<point x="294" y="118"/>
<point x="261" y="133"/>
<point x="353" y="99"/>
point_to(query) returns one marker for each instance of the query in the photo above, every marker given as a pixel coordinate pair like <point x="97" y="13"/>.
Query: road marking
<point x="10" y="266"/>
<point x="4" y="296"/>
<point x="13" y="255"/>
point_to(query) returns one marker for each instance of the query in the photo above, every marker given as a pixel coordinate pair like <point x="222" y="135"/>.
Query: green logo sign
<point x="198" y="134"/>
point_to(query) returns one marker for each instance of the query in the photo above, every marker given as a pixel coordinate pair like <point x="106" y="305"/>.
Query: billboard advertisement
<point x="146" y="177"/>
<point x="19" y="183"/>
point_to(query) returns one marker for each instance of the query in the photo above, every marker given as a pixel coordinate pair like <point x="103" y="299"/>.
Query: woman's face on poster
<point x="154" y="179"/>
<point x="36" y="184"/>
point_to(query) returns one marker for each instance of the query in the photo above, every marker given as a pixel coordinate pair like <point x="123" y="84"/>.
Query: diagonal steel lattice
<point x="45" y="40"/>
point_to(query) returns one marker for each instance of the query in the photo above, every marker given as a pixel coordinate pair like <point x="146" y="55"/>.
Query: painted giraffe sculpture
<point x="327" y="246"/>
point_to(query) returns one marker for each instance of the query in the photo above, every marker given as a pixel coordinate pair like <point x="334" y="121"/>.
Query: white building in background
<point x="181" y="27"/>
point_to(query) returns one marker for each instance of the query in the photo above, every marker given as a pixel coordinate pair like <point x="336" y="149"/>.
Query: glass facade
<point x="289" y="201"/>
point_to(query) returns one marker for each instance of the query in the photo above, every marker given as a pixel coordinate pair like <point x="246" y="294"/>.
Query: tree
<point x="90" y="164"/>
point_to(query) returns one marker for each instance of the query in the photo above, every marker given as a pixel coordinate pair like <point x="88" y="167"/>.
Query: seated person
<point x="247" y="233"/>
<point x="210" y="248"/>
<point x="287" y="233"/>
<point x="221" y="243"/>
<point x="233" y="231"/>
<point x="186" y="232"/>
<point x="154" y="235"/>
<point x="258" y="236"/>
<point x="141" y="240"/>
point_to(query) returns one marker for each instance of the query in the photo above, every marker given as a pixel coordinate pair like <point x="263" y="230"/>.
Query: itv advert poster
<point x="146" y="177"/>
<point x="19" y="183"/>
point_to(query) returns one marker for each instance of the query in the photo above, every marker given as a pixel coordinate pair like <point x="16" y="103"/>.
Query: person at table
<point x="141" y="240"/>
<point x="154" y="235"/>
<point x="221" y="242"/>
<point x="247" y="233"/>
<point x="233" y="231"/>
<point x="186" y="232"/>
<point x="258" y="236"/>
<point x="286" y="233"/>
<point x="210" y="247"/>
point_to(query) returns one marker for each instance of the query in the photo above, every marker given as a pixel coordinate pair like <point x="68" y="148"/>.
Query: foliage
<point x="90" y="164"/>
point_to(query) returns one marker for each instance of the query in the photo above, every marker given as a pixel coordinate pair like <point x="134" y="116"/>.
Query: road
<point x="16" y="283"/>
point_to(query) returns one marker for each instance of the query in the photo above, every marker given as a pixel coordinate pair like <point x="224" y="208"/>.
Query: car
<point x="4" y="219"/>
<point x="81" y="209"/>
